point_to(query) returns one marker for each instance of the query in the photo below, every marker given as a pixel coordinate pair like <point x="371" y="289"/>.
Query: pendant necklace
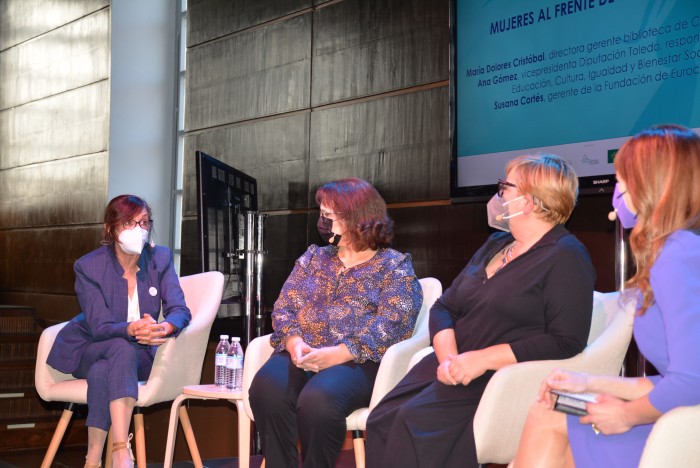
<point x="507" y="254"/>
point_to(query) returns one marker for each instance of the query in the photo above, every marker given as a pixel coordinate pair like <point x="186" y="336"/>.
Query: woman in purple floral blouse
<point x="340" y="309"/>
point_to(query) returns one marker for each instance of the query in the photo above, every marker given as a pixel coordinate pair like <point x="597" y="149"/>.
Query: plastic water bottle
<point x="234" y="366"/>
<point x="220" y="362"/>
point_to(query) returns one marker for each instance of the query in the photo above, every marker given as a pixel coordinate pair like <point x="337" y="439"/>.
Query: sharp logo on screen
<point x="601" y="181"/>
<point x="587" y="160"/>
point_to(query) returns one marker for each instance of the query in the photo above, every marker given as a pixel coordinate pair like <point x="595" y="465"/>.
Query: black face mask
<point x="325" y="230"/>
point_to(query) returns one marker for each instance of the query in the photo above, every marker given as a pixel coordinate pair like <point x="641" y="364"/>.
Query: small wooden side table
<point x="206" y="392"/>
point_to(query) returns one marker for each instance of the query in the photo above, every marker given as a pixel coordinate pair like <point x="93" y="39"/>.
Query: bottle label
<point x="230" y="364"/>
<point x="220" y="360"/>
<point x="237" y="362"/>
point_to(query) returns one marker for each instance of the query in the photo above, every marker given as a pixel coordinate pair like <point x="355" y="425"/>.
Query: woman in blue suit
<point x="121" y="287"/>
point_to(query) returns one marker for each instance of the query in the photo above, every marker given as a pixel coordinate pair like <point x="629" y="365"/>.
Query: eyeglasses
<point x="332" y="215"/>
<point x="144" y="224"/>
<point x="502" y="185"/>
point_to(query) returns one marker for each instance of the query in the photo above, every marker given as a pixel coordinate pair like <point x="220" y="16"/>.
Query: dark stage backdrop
<point x="299" y="93"/>
<point x="291" y="92"/>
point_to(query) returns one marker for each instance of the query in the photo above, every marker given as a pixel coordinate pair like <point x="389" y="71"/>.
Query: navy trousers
<point x="113" y="369"/>
<point x="290" y="404"/>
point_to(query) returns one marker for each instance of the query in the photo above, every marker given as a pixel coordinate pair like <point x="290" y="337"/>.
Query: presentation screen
<point x="574" y="78"/>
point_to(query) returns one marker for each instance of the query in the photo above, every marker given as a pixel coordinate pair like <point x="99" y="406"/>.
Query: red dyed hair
<point x="120" y="209"/>
<point x="362" y="210"/>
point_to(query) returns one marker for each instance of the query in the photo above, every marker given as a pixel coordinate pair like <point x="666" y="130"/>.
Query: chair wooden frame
<point x="392" y="368"/>
<point x="203" y="296"/>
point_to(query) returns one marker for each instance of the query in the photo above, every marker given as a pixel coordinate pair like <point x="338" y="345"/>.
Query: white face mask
<point x="132" y="241"/>
<point x="498" y="213"/>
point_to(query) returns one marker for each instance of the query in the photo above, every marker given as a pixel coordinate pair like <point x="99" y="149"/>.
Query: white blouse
<point x="134" y="311"/>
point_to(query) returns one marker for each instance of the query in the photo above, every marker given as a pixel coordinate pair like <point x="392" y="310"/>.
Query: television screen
<point x="574" y="78"/>
<point x="224" y="195"/>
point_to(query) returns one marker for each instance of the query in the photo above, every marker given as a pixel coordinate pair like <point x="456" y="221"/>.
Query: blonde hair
<point x="551" y="180"/>
<point x="661" y="167"/>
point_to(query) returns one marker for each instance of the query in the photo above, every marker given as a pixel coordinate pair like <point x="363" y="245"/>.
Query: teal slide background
<point x="599" y="114"/>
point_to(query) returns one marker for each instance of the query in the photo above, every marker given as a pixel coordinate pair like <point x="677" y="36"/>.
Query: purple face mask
<point x="626" y="217"/>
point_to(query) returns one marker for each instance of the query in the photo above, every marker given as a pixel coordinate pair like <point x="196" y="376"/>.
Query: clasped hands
<point x="459" y="369"/>
<point x="315" y="359"/>
<point x="607" y="415"/>
<point x="149" y="332"/>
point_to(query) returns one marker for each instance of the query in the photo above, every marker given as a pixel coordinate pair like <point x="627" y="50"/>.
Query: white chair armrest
<point x="257" y="353"/>
<point x="45" y="376"/>
<point x="415" y="359"/>
<point x="513" y="389"/>
<point x="503" y="408"/>
<point x="394" y="365"/>
<point x="673" y="441"/>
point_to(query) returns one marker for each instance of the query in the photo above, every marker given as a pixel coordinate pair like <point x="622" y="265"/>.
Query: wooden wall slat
<point x="259" y="73"/>
<point x="21" y="20"/>
<point x="55" y="193"/>
<point x="68" y="124"/>
<point x="400" y="144"/>
<point x="60" y="60"/>
<point x="212" y="19"/>
<point x="274" y="152"/>
<point x="41" y="260"/>
<point x="363" y="48"/>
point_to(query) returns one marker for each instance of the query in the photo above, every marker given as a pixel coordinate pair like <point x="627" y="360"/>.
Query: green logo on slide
<point x="611" y="155"/>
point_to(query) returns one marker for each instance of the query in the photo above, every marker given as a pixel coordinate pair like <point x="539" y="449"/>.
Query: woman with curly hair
<point x="340" y="309"/>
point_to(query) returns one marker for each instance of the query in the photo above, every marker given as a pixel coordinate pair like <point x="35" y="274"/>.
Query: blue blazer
<point x="103" y="298"/>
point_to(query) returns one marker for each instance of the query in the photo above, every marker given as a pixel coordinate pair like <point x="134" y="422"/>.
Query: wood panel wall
<point x="293" y="92"/>
<point x="54" y="119"/>
<point x="296" y="94"/>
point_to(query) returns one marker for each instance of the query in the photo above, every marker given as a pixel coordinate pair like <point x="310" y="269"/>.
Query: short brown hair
<point x="551" y="180"/>
<point x="120" y="209"/>
<point x="362" y="210"/>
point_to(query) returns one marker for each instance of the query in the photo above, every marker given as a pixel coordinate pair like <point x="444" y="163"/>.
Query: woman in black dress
<point x="527" y="294"/>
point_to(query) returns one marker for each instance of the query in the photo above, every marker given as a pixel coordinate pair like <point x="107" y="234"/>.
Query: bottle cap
<point x="223" y="337"/>
<point x="236" y="338"/>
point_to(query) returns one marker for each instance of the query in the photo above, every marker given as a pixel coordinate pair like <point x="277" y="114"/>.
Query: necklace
<point x="507" y="254"/>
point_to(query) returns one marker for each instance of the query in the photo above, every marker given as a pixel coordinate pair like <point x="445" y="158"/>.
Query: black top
<point x="540" y="303"/>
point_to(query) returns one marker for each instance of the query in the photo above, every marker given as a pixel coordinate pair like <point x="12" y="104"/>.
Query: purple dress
<point x="668" y="335"/>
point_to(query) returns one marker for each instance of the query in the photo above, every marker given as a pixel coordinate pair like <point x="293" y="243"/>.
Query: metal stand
<point x="253" y="306"/>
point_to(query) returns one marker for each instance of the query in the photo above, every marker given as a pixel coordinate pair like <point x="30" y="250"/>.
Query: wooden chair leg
<point x="189" y="436"/>
<point x="58" y="435"/>
<point x="139" y="438"/>
<point x="108" y="449"/>
<point x="358" y="443"/>
<point x="244" y="428"/>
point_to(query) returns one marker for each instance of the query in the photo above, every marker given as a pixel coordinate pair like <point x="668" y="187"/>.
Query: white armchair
<point x="503" y="408"/>
<point x="177" y="363"/>
<point x="673" y="440"/>
<point x="393" y="367"/>
<point x="502" y="411"/>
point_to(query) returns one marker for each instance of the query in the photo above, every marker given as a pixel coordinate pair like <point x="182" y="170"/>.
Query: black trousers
<point x="423" y="423"/>
<point x="290" y="404"/>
